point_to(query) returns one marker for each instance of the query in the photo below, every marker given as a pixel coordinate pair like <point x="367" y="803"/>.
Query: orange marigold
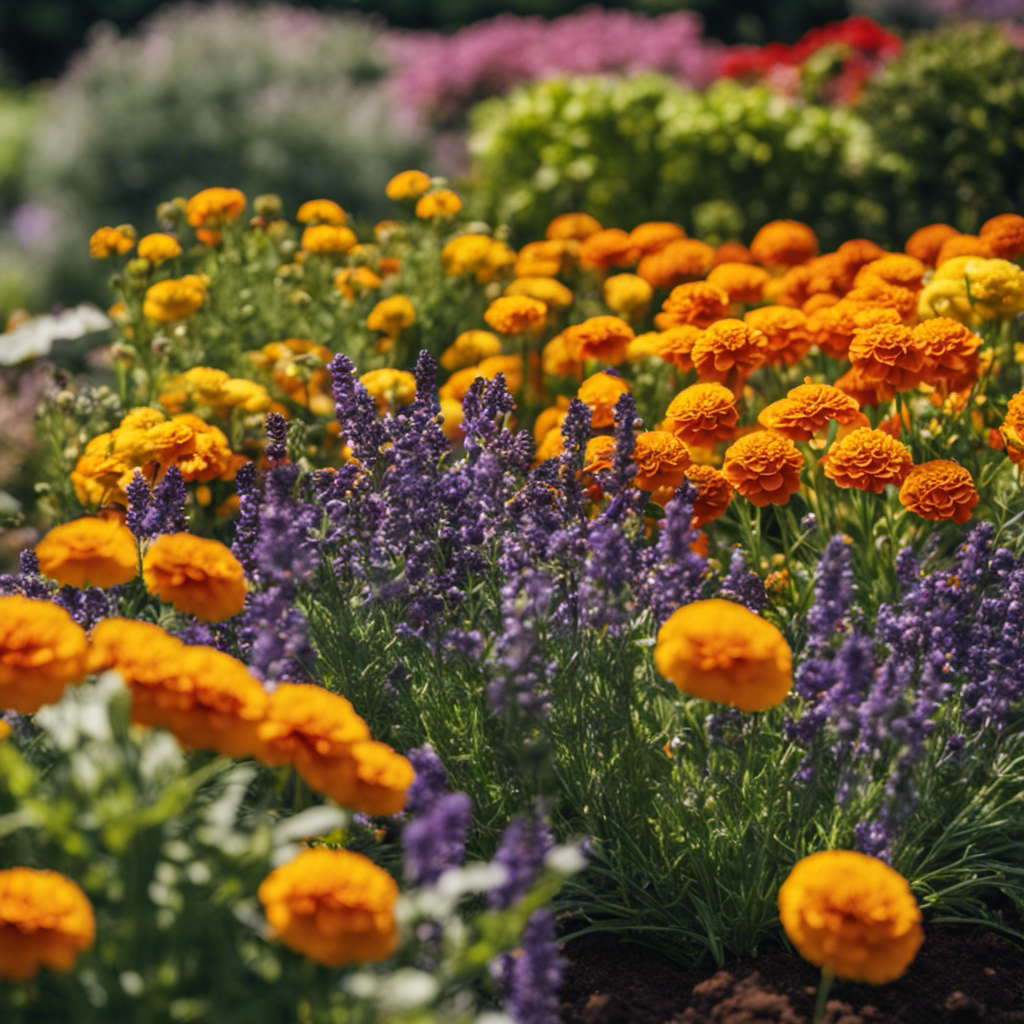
<point x="729" y="350"/>
<point x="939" y="490"/>
<point x="895" y="269"/>
<point x="42" y="650"/>
<point x="514" y="314"/>
<point x="469" y="348"/>
<point x="407" y="185"/>
<point x="950" y="351"/>
<point x="1012" y="429"/>
<point x="832" y="328"/>
<point x="197" y="576"/>
<point x="599" y="454"/>
<point x="600" y="393"/>
<point x="877" y="292"/>
<point x="741" y="281"/>
<point x="45" y="921"/>
<point x="213" y="207"/>
<point x="698" y="304"/>
<point x="675" y="346"/>
<point x="174" y="299"/>
<point x="661" y="460"/>
<point x="551" y="417"/>
<point x="785" y="330"/>
<point x="541" y="259"/>
<point x="964" y="245"/>
<point x="685" y="259"/>
<point x="391" y="389"/>
<point x="784" y="243"/>
<point x="809" y="408"/>
<point x="328" y="239"/>
<point x="609" y="247"/>
<point x="889" y="353"/>
<point x="442" y="203"/>
<point x="352" y="281"/>
<point x="1005" y="235"/>
<point x="764" y="468"/>
<point x="107" y="241"/>
<point x="375" y="779"/>
<point x="702" y="415"/>
<point x="862" y="391"/>
<point x="654" y="235"/>
<point x="333" y="906"/>
<point x="717" y="650"/>
<point x="391" y="316"/>
<point x="556" y="359"/>
<point x="321" y="211"/>
<point x="601" y="337"/>
<point x="573" y="226"/>
<point x="925" y="243"/>
<point x="868" y="460"/>
<point x="851" y="914"/>
<point x="714" y="493"/>
<point x="159" y="248"/>
<point x="89" y="552"/>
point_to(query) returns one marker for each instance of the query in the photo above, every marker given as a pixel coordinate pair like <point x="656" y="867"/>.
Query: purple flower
<point x="523" y="847"/>
<point x="431" y="782"/>
<point x="435" y="840"/>
<point x="276" y="427"/>
<point x="534" y="976"/>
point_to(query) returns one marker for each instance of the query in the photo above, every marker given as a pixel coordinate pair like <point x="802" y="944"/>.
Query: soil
<point x="959" y="977"/>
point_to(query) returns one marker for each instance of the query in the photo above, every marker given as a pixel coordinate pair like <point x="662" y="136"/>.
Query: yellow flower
<point x="720" y="651"/>
<point x="515" y="314"/>
<point x="45" y="921"/>
<point x="321" y="211"/>
<point x="451" y="419"/>
<point x="443" y="203"/>
<point x="469" y="348"/>
<point x="350" y="280"/>
<point x="466" y="254"/>
<point x="392" y="316"/>
<point x="112" y="241"/>
<point x="328" y="239"/>
<point x="552" y="293"/>
<point x="407" y="185"/>
<point x="852" y="915"/>
<point x="392" y="389"/>
<point x="627" y="293"/>
<point x="197" y="576"/>
<point x="214" y="207"/>
<point x="175" y="298"/>
<point x="89" y="552"/>
<point x="159" y="248"/>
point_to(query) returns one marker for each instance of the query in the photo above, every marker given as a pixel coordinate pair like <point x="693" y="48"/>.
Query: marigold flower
<point x="852" y="915"/>
<point x="442" y="203"/>
<point x="809" y="408"/>
<point x="889" y="353"/>
<point x="510" y="366"/>
<point x="685" y="259"/>
<point x="925" y="243"/>
<point x="161" y="445"/>
<point x="100" y="474"/>
<point x="328" y="239"/>
<point x="963" y="245"/>
<point x="159" y="248"/>
<point x="661" y="460"/>
<point x="600" y="393"/>
<point x="714" y="493"/>
<point x="550" y="446"/>
<point x="895" y="269"/>
<point x="351" y="281"/>
<point x="1005" y="235"/>
<point x="138" y="650"/>
<point x="675" y="346"/>
<point x="1012" y="429"/>
<point x="764" y="468"/>
<point x="45" y="921"/>
<point x="741" y="281"/>
<point x="862" y="391"/>
<point x="702" y="414"/>
<point x="654" y="235"/>
<point x="211" y="458"/>
<point x="950" y="351"/>
<point x="939" y="490"/>
<point x="572" y="226"/>
<point x="469" y="348"/>
<point x="627" y="293"/>
<point x="609" y="247"/>
<point x="321" y="211"/>
<point x="717" y="650"/>
<point x="42" y="650"/>
<point x="550" y="418"/>
<point x="391" y="316"/>
<point x="107" y="241"/>
<point x="174" y="299"/>
<point x="333" y="906"/>
<point x="515" y="314"/>
<point x="551" y="292"/>
<point x="732" y="252"/>
<point x="392" y="389"/>
<point x="557" y="361"/>
<point x="451" y="420"/>
<point x="601" y="337"/>
<point x="832" y="328"/>
<point x="784" y="243"/>
<point x="465" y="254"/>
<point x="541" y="259"/>
<point x="599" y="455"/>
<point x="868" y="460"/>
<point x="729" y="350"/>
<point x="197" y="576"/>
<point x="407" y="185"/>
<point x="644" y="346"/>
<point x="213" y="207"/>
<point x="375" y="779"/>
<point x="785" y="330"/>
<point x="89" y="552"/>
<point x="698" y="304"/>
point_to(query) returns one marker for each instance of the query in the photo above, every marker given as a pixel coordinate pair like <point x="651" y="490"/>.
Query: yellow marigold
<point x="600" y="393"/>
<point x="963" y="245"/>
<point x="925" y="243"/>
<point x="889" y="353"/>
<point x="510" y="366"/>
<point x="197" y="576"/>
<point x="717" y="650"/>
<point x="808" y="409"/>
<point x="45" y="921"/>
<point x="551" y="417"/>
<point x="515" y="314"/>
<point x="407" y="185"/>
<point x="375" y="779"/>
<point x="784" y="243"/>
<point x="764" y="468"/>
<point x="451" y="419"/>
<point x="1012" y="429"/>
<point x="211" y="457"/>
<point x="598" y="455"/>
<point x="654" y="235"/>
<point x="100" y="474"/>
<point x="685" y="259"/>
<point x="161" y="445"/>
<point x="442" y="203"/>
<point x="549" y="446"/>
<point x="852" y="915"/>
<point x="675" y="346"/>
<point x="391" y="389"/>
<point x="1005" y="235"/>
<point x="333" y="906"/>
<point x="213" y="207"/>
<point x="321" y="211"/>
<point x="868" y="460"/>
<point x="552" y="293"/>
<point x="702" y="415"/>
<point x="609" y="247"/>
<point x="644" y="346"/>
<point x="573" y="226"/>
<point x="159" y="248"/>
<point x="732" y="252"/>
<point x="950" y="351"/>
<point x="939" y="490"/>
<point x="42" y="650"/>
<point x="499" y="263"/>
<point x="105" y="242"/>
<point x="89" y="552"/>
<point x="601" y="337"/>
<point x="143" y="417"/>
<point x="469" y="348"/>
<point x="729" y="350"/>
<point x="996" y="288"/>
<point x="627" y="293"/>
<point x="542" y="259"/>
<point x="696" y="304"/>
<point x="896" y="269"/>
<point x="175" y="298"/>
<point x="785" y="330"/>
<point x="327" y="239"/>
<point x="557" y="360"/>
<point x="465" y="254"/>
<point x="714" y="493"/>
<point x="741" y="281"/>
<point x="392" y="316"/>
<point x="352" y="281"/>
<point x="661" y="460"/>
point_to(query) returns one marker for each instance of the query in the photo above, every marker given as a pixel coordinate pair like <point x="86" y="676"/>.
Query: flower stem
<point x="827" y="977"/>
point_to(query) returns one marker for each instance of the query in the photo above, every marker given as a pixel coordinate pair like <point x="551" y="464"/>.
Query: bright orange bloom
<point x="950" y="351"/>
<point x="89" y="552"/>
<point x="541" y="259"/>
<point x="557" y="361"/>
<point x="698" y="304"/>
<point x="601" y="337"/>
<point x="599" y="454"/>
<point x="925" y="243"/>
<point x="732" y="252"/>
<point x="514" y="314"/>
<point x="743" y="282"/>
<point x="627" y="293"/>
<point x="214" y="207"/>
<point x="442" y="203"/>
<point x="138" y="650"/>
<point x="45" y="921"/>
<point x="550" y="446"/>
<point x="939" y="490"/>
<point x="852" y="915"/>
<point x="808" y="409"/>
<point x="729" y="350"/>
<point x="654" y="235"/>
<point x="863" y="392"/>
<point x="197" y="576"/>
<point x="868" y="460"/>
<point x="661" y="460"/>
<point x="1012" y="429"/>
<point x="685" y="259"/>
<point x="174" y="299"/>
<point x="407" y="185"/>
<point x="328" y="239"/>
<point x="554" y="416"/>
<point x="964" y="245"/>
<point x="785" y="330"/>
<point x="764" y="468"/>
<point x="877" y="292"/>
<point x="1005" y="235"/>
<point x="351" y="281"/>
<point x="600" y="392"/>
<point x="375" y="779"/>
<point x="391" y="316"/>
<point x="784" y="243"/>
<point x="321" y="211"/>
<point x="548" y="290"/>
<point x="158" y="248"/>
<point x="107" y="241"/>
<point x="469" y="348"/>
<point x="675" y="346"/>
<point x="889" y="353"/>
<point x="333" y="906"/>
<point x="714" y="493"/>
<point x="702" y="415"/>
<point x="609" y="247"/>
<point x="572" y="226"/>
<point x="832" y="328"/>
<point x="895" y="269"/>
<point x="717" y="650"/>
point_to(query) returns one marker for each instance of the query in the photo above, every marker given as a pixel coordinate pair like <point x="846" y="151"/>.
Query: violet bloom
<point x="435" y="840"/>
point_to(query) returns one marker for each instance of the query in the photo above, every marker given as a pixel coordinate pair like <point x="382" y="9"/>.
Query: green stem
<point x="827" y="977"/>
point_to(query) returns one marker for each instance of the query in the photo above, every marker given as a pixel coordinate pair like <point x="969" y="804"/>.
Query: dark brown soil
<point x="959" y="977"/>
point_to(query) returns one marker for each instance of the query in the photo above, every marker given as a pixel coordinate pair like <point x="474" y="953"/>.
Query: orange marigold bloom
<point x="732" y="252"/>
<point x="764" y="468"/>
<point x="950" y="351"/>
<point x="107" y="241"/>
<point x="158" y="248"/>
<point x="469" y="348"/>
<point x="697" y="303"/>
<point x="548" y="290"/>
<point x="714" y="493"/>
<point x="514" y="314"/>
<point x="351" y="281"/>
<point x="601" y="337"/>
<point x="925" y="243"/>
<point x="45" y="921"/>
<point x="877" y="292"/>
<point x="851" y="914"/>
<point x="572" y="226"/>
<point x="654" y="235"/>
<point x="599" y="454"/>
<point x="321" y="211"/>
<point x="785" y="330"/>
<point x="717" y="650"/>
<point x="895" y="269"/>
<point x="374" y="780"/>
<point x="197" y="576"/>
<point x="1005" y="235"/>
<point x="465" y="254"/>
<point x="407" y="185"/>
<point x="858" y="251"/>
<point x="964" y="245"/>
<point x="702" y="415"/>
<point x="661" y="460"/>
<point x="675" y="346"/>
<point x="442" y="203"/>
<point x="809" y="408"/>
<point x="541" y="259"/>
<point x="557" y="360"/>
<point x="391" y="389"/>
<point x="174" y="299"/>
<point x="42" y="650"/>
<point x="328" y="239"/>
<point x="832" y="329"/>
<point x="644" y="346"/>
<point x="391" y="316"/>
<point x="685" y="259"/>
<point x="741" y="281"/>
<point x="1012" y="429"/>
<point x="784" y="243"/>
<point x="627" y="293"/>
<point x="862" y="391"/>
<point x="939" y="490"/>
<point x="889" y="353"/>
<point x="89" y="552"/>
<point x="451" y="420"/>
<point x="138" y="650"/>
<point x="609" y="247"/>
<point x="868" y="460"/>
<point x="728" y="350"/>
<point x="213" y="207"/>
<point x="600" y="392"/>
<point x="550" y="446"/>
<point x="333" y="906"/>
<point x="551" y="417"/>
